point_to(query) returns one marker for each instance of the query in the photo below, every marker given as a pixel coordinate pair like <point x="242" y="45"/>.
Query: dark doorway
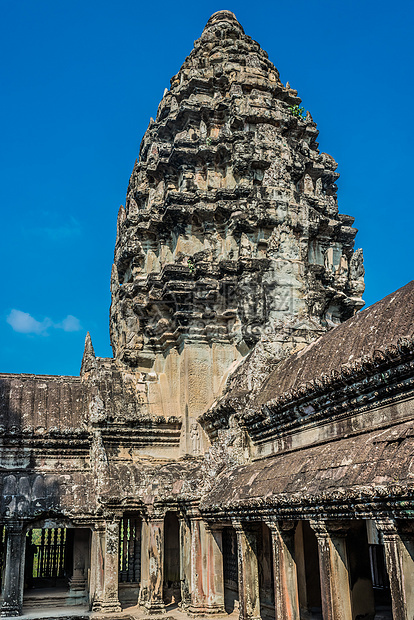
<point x="266" y="576"/>
<point x="172" y="585"/>
<point x="57" y="564"/>
<point x="48" y="557"/>
<point x="129" y="574"/>
<point x="230" y="570"/>
<point x="307" y="564"/>
<point x="376" y="567"/>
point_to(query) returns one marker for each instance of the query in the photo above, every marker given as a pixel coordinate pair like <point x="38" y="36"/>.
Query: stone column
<point x="249" y="596"/>
<point x="284" y="569"/>
<point x="143" y="595"/>
<point x="400" y="568"/>
<point x="97" y="565"/>
<point x="185" y="561"/>
<point x="197" y="568"/>
<point x="14" y="571"/>
<point x="333" y="568"/>
<point x="152" y="565"/>
<point x="110" y="601"/>
<point x="207" y="580"/>
<point x="215" y="573"/>
<point x="106" y="557"/>
<point x="406" y="531"/>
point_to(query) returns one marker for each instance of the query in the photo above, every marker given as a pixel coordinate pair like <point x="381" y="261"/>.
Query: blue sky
<point x="80" y="81"/>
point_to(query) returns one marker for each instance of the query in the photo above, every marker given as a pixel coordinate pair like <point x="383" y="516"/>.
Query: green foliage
<point x="190" y="265"/>
<point x="297" y="111"/>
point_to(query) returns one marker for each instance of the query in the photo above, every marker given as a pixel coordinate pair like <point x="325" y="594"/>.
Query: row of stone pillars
<point x="337" y="602"/>
<point x="202" y="578"/>
<point x="201" y="568"/>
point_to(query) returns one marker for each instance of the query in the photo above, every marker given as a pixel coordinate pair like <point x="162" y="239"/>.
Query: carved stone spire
<point x="89" y="358"/>
<point x="231" y="233"/>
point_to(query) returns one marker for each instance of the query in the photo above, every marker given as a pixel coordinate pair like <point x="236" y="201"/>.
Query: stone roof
<point x="382" y="458"/>
<point x="39" y="403"/>
<point x="378" y="326"/>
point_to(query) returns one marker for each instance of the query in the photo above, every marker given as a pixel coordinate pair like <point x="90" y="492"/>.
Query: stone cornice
<point x="357" y="502"/>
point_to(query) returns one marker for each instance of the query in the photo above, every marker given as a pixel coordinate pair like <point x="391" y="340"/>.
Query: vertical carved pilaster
<point x="215" y="574"/>
<point x="197" y="574"/>
<point x="185" y="561"/>
<point x="399" y="578"/>
<point x="248" y="571"/>
<point x="152" y="567"/>
<point x="406" y="532"/>
<point x="105" y="557"/>
<point x="207" y="580"/>
<point x="143" y="596"/>
<point x="14" y="572"/>
<point x="333" y="568"/>
<point x="111" y="601"/>
<point x="97" y="566"/>
<point x="284" y="568"/>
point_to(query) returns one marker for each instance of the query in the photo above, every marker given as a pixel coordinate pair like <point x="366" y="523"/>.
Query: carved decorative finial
<point x="89" y="358"/>
<point x="224" y="16"/>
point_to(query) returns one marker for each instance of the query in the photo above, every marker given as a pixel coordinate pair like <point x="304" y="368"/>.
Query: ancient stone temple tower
<point x="231" y="233"/>
<point x="249" y="447"/>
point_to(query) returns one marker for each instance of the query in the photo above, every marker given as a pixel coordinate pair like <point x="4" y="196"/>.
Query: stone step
<point x="53" y="597"/>
<point x="60" y="613"/>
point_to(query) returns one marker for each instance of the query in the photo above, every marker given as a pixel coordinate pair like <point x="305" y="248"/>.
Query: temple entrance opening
<point x="129" y="574"/>
<point x="375" y="565"/>
<point x="57" y="567"/>
<point x="230" y="570"/>
<point x="172" y="585"/>
<point x="266" y="575"/>
<point x="307" y="564"/>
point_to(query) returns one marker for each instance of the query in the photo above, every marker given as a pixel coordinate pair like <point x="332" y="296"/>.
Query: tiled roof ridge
<point x="391" y="354"/>
<point x="393" y="492"/>
<point x="294" y="365"/>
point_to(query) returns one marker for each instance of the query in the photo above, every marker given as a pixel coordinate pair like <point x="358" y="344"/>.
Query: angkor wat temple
<point x="249" y="447"/>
